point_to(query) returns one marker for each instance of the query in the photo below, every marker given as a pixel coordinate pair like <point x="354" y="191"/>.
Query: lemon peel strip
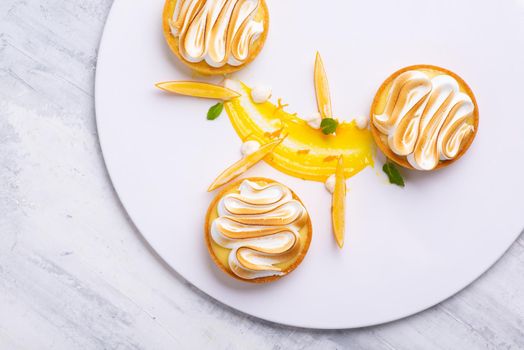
<point x="338" y="209"/>
<point x="322" y="89"/>
<point x="244" y="164"/>
<point x="197" y="89"/>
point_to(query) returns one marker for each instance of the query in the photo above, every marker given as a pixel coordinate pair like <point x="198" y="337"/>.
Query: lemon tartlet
<point x="257" y="230"/>
<point x="215" y="36"/>
<point x="424" y="117"/>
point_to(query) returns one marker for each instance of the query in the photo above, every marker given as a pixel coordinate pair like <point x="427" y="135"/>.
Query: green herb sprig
<point x="328" y="126"/>
<point x="215" y="111"/>
<point x="394" y="175"/>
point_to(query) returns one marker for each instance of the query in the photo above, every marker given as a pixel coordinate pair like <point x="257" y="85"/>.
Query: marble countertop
<point x="76" y="274"/>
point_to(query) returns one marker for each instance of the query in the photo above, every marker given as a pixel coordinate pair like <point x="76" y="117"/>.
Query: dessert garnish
<point x="328" y="126"/>
<point x="362" y="121"/>
<point x="322" y="89"/>
<point x="306" y="153"/>
<point x="330" y="183"/>
<point x="249" y="147"/>
<point x="257" y="230"/>
<point x="215" y="111"/>
<point x="321" y="148"/>
<point x="244" y="164"/>
<point x="215" y="36"/>
<point x="315" y="121"/>
<point x="197" y="89"/>
<point x="261" y="94"/>
<point x="424" y="117"/>
<point x="338" y="208"/>
<point x="394" y="175"/>
<point x="311" y="147"/>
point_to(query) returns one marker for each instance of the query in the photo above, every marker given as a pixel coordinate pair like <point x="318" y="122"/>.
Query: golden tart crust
<point x="214" y="248"/>
<point x="202" y="67"/>
<point x="381" y="139"/>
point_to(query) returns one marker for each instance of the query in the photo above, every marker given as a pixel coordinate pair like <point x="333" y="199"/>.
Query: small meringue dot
<point x="261" y="94"/>
<point x="330" y="183"/>
<point x="249" y="147"/>
<point x="315" y="121"/>
<point x="362" y="121"/>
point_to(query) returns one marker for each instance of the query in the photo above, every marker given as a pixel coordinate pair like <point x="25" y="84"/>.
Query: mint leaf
<point x="328" y="126"/>
<point x="393" y="174"/>
<point x="215" y="111"/>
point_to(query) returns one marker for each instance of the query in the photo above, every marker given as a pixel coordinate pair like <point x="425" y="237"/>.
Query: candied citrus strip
<point x="244" y="164"/>
<point x="338" y="209"/>
<point x="197" y="89"/>
<point x="322" y="89"/>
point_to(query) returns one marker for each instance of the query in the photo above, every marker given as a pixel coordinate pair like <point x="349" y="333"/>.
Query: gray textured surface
<point x="75" y="273"/>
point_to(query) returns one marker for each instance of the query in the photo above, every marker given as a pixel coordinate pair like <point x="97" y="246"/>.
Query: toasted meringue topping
<point x="261" y="226"/>
<point x="218" y="31"/>
<point x="426" y="119"/>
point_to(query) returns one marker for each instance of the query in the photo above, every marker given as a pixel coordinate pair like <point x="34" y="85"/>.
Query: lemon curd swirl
<point x="306" y="152"/>
<point x="262" y="226"/>
<point x="426" y="118"/>
<point x="217" y="31"/>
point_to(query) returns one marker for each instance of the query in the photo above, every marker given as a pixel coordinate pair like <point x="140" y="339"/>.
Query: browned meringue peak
<point x="239" y="207"/>
<point x="263" y="257"/>
<point x="246" y="255"/>
<point x="236" y="230"/>
<point x="286" y="214"/>
<point x="454" y="131"/>
<point x="217" y="31"/>
<point x="407" y="92"/>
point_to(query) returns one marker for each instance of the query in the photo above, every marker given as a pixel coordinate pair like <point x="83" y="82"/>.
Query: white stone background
<point x="76" y="274"/>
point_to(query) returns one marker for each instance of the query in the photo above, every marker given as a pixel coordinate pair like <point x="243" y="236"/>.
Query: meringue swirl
<point x="426" y="119"/>
<point x="218" y="31"/>
<point x="261" y="225"/>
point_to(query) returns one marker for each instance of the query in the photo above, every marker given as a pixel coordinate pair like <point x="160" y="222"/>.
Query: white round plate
<point x="406" y="249"/>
